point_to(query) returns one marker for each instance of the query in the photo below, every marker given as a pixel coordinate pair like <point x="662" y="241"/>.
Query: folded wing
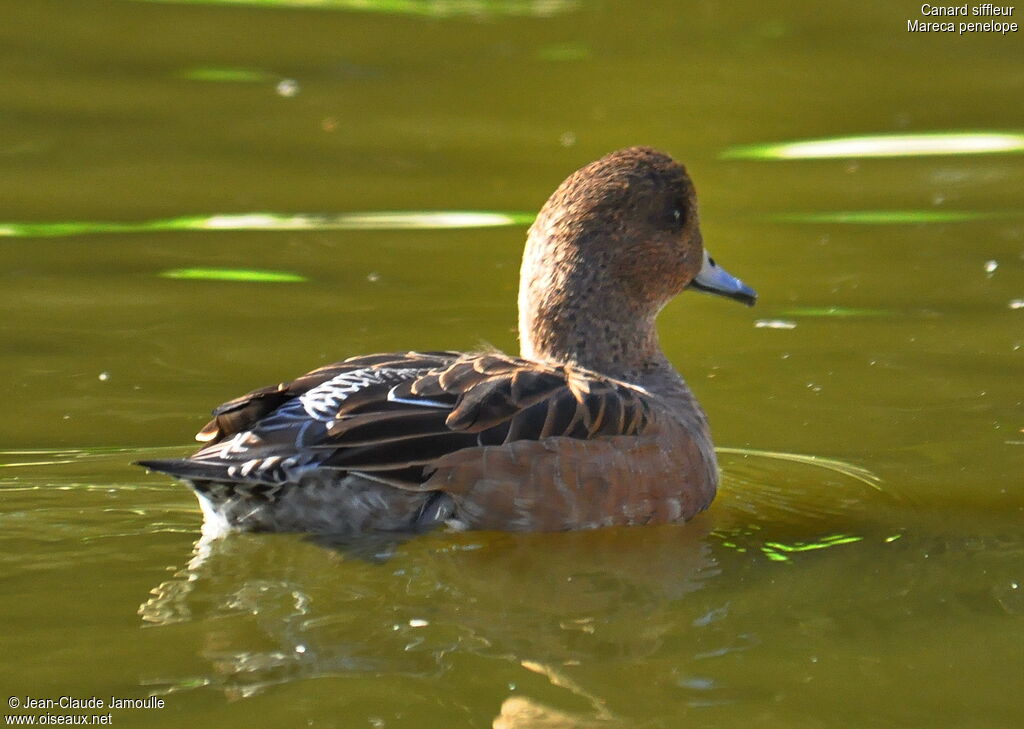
<point x="391" y="417"/>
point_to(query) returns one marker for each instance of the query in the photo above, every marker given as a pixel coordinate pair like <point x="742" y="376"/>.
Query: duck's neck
<point x="566" y="316"/>
<point x="555" y="329"/>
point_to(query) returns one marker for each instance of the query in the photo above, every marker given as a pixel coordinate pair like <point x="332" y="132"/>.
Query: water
<point x="889" y="340"/>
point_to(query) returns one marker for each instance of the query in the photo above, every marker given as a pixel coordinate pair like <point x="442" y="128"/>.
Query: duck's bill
<point x="713" y="279"/>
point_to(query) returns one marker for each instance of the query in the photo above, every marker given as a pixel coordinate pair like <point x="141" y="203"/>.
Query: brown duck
<point x="591" y="426"/>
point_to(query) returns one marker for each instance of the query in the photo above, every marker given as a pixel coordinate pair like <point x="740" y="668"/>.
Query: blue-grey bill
<point x="713" y="279"/>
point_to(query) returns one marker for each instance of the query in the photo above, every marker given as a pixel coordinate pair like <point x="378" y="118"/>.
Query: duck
<point x="590" y="426"/>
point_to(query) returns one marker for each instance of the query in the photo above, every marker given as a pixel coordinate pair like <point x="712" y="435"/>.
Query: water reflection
<point x="886" y="145"/>
<point x="273" y="609"/>
<point x="374" y="220"/>
<point x="234" y="274"/>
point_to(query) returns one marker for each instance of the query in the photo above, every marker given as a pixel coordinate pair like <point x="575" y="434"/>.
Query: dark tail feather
<point x="188" y="470"/>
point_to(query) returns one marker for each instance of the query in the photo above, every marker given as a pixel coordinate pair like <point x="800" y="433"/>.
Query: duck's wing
<point x="245" y="412"/>
<point x="391" y="417"/>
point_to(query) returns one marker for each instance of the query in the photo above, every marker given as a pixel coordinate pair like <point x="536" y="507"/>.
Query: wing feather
<point x="367" y="414"/>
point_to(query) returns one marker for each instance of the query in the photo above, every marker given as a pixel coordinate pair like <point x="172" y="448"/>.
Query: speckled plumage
<point x="592" y="426"/>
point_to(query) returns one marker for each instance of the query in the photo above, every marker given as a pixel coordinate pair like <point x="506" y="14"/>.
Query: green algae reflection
<point x="886" y="145"/>
<point x="234" y="274"/>
<point x="425" y="8"/>
<point x="227" y="75"/>
<point x="397" y="220"/>
<point x="781" y="551"/>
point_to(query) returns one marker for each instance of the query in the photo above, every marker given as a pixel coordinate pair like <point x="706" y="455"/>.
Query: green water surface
<point x="200" y="198"/>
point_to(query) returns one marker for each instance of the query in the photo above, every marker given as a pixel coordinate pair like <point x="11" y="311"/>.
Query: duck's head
<point x="614" y="243"/>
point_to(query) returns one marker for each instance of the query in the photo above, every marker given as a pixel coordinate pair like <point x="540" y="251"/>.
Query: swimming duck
<point x="590" y="426"/>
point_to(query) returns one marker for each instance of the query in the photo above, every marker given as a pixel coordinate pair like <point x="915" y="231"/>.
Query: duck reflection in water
<point x="547" y="613"/>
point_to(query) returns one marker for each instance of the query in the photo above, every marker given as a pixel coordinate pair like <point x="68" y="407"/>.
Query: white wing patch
<point x="322" y="402"/>
<point x="422" y="402"/>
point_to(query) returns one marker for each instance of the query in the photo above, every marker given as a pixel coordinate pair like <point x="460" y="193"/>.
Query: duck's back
<point x="407" y="441"/>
